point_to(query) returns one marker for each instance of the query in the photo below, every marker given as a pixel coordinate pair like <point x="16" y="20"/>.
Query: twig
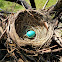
<point x="56" y="8"/>
<point x="59" y="28"/>
<point x="24" y="4"/>
<point x="4" y="57"/>
<point x="31" y="58"/>
<point x="1" y="30"/>
<point x="55" y="50"/>
<point x="3" y="33"/>
<point x="8" y="54"/>
<point x="21" y="54"/>
<point x="49" y="50"/>
<point x="36" y="52"/>
<point x="29" y="51"/>
<point x="45" y="4"/>
<point x="53" y="46"/>
<point x="58" y="39"/>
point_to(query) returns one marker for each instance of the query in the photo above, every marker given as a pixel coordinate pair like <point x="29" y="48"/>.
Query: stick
<point x="56" y="8"/>
<point x="45" y="4"/>
<point x="58" y="40"/>
<point x="49" y="50"/>
<point x="24" y="4"/>
<point x="3" y="33"/>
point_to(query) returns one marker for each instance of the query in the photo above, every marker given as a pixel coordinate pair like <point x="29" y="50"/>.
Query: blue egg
<point x="30" y="34"/>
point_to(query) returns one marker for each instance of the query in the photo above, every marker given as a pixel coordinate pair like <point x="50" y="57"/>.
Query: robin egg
<point x="30" y="34"/>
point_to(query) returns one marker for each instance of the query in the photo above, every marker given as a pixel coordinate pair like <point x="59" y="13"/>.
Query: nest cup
<point x="24" y="21"/>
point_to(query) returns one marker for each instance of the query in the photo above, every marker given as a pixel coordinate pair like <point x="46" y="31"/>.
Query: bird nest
<point x="24" y="21"/>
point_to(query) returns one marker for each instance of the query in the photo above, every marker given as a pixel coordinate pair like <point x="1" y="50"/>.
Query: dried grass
<point x="31" y="20"/>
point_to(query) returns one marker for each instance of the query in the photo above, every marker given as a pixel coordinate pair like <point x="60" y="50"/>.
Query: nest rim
<point x="23" y="42"/>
